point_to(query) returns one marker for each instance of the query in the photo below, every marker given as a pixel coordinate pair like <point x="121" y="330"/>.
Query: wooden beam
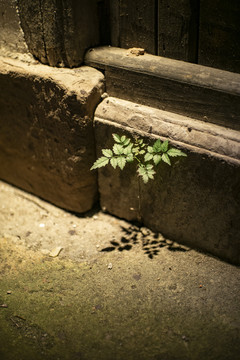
<point x="188" y="89"/>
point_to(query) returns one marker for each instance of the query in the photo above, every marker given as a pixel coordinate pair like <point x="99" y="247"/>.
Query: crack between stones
<point x="42" y="30"/>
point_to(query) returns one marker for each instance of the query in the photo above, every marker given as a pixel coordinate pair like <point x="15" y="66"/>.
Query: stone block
<point x="46" y="132"/>
<point x="196" y="201"/>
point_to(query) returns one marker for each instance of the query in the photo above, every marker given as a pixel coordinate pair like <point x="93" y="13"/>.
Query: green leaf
<point x="151" y="173"/>
<point x="145" y="178"/>
<point x="175" y="152"/>
<point x="157" y="146"/>
<point x="116" y="138"/>
<point x="156" y="159"/>
<point x="123" y="138"/>
<point x="142" y="152"/>
<point x="164" y="146"/>
<point x="121" y="162"/>
<point x="141" y="170"/>
<point x="117" y="149"/>
<point x="102" y="161"/>
<point x="146" y="172"/>
<point x="126" y="142"/>
<point x="166" y="159"/>
<point x="148" y="157"/>
<point x="148" y="166"/>
<point x="107" y="152"/>
<point x="128" y="150"/>
<point x="114" y="162"/>
<point x="135" y="149"/>
<point x="150" y="149"/>
<point x="129" y="158"/>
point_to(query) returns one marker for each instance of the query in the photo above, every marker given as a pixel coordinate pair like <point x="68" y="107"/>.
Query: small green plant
<point x="147" y="157"/>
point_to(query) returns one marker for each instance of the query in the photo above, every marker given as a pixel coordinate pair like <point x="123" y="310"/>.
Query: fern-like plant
<point x="147" y="157"/>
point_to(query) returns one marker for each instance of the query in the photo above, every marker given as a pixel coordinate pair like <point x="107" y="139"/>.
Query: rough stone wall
<point x="46" y="135"/>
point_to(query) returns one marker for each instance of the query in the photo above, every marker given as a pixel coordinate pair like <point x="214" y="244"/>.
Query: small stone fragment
<point x="137" y="51"/>
<point x="9" y="292"/>
<point x="56" y="251"/>
<point x="41" y="225"/>
<point x="110" y="266"/>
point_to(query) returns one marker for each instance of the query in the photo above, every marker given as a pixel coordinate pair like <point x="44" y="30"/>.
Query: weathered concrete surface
<point x="195" y="91"/>
<point x="59" y="32"/>
<point x="12" y="42"/>
<point x="46" y="135"/>
<point x="179" y="305"/>
<point x="196" y="201"/>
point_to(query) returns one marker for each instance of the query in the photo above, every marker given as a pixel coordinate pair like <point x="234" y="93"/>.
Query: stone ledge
<point x="196" y="201"/>
<point x="196" y="91"/>
<point x="46" y="136"/>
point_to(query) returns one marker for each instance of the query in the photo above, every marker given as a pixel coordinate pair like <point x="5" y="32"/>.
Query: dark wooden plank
<point x="219" y="38"/>
<point x="133" y="24"/>
<point x="178" y="29"/>
<point x="192" y="90"/>
<point x="103" y="7"/>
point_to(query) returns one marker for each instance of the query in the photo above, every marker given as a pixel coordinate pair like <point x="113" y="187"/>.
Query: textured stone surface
<point x="196" y="201"/>
<point x="12" y="42"/>
<point x="46" y="136"/>
<point x="59" y="32"/>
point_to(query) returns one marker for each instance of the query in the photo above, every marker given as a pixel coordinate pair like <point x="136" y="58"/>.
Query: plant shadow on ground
<point x="151" y="242"/>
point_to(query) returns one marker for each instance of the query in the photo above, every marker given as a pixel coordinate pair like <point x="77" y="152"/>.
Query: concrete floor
<point x="113" y="292"/>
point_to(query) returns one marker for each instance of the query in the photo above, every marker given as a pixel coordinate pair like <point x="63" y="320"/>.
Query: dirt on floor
<point x="96" y="287"/>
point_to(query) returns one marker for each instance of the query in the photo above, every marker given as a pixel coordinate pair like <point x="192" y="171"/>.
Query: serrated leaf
<point x="175" y="152"/>
<point x="129" y="158"/>
<point x="102" y="161"/>
<point x="114" y="162"/>
<point x="128" y="150"/>
<point x="116" y="137"/>
<point x="150" y="149"/>
<point x="145" y="178"/>
<point x="149" y="166"/>
<point x="126" y="142"/>
<point x="151" y="173"/>
<point x="117" y="149"/>
<point x="157" y="146"/>
<point x="148" y="157"/>
<point x="107" y="152"/>
<point x="166" y="159"/>
<point x="156" y="159"/>
<point x="135" y="149"/>
<point x="164" y="146"/>
<point x="121" y="161"/>
<point x="141" y="170"/>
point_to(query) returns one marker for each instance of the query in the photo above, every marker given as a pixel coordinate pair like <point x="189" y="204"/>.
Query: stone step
<point x="46" y="131"/>
<point x="196" y="201"/>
